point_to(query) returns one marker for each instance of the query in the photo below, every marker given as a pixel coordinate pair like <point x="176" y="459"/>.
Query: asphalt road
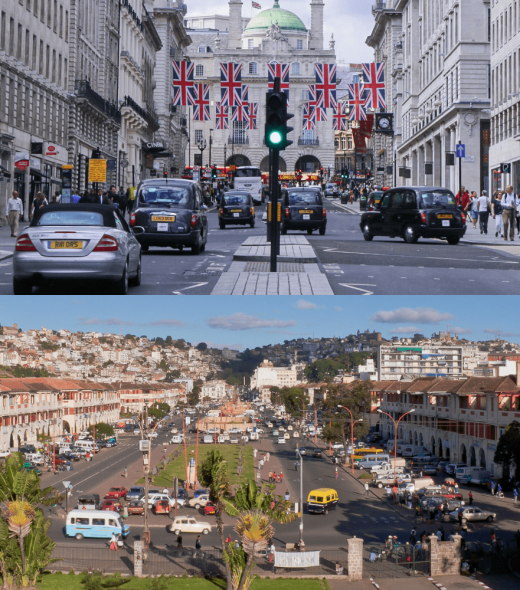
<point x="372" y="517"/>
<point x="354" y="267"/>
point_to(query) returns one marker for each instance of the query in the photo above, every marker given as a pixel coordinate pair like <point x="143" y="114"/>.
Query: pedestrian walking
<point x="14" y="213"/>
<point x="459" y="517"/>
<point x="270" y="476"/>
<point x="515" y="495"/>
<point x="229" y="539"/>
<point x="492" y="488"/>
<point x="439" y="533"/>
<point x="198" y="544"/>
<point x="39" y="201"/>
<point x="287" y="496"/>
<point x="267" y="457"/>
<point x="126" y="471"/>
<point x="496" y="209"/>
<point x="500" y="493"/>
<point x="274" y="477"/>
<point x="281" y="477"/>
<point x="336" y="472"/>
<point x="113" y="543"/>
<point x="367" y="490"/>
<point x="394" y="493"/>
<point x="271" y="552"/>
<point x="413" y="537"/>
<point x="483" y="208"/>
<point x="179" y="541"/>
<point x="471" y="498"/>
<point x="509" y="203"/>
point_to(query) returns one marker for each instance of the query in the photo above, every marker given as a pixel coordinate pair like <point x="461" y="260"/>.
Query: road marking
<point x="356" y="287"/>
<point x="418" y="256"/>
<point x="186" y="288"/>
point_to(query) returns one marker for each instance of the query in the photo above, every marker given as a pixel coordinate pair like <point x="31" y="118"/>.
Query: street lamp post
<point x="351" y="434"/>
<point x="202" y="145"/>
<point x="396" y="424"/>
<point x="210" y="143"/>
<point x="301" y="544"/>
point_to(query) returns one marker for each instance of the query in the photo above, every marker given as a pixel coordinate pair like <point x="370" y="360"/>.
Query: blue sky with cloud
<point x="241" y="322"/>
<point x="351" y="21"/>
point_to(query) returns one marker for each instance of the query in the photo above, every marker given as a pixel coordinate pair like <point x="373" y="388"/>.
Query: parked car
<point x="303" y="451"/>
<point x="116" y="492"/>
<point x="134" y="493"/>
<point x="316" y="453"/>
<point x="112" y="505"/>
<point x="473" y="514"/>
<point x="209" y="508"/>
<point x="198" y="501"/>
<point x="303" y="210"/>
<point x="136" y="507"/>
<point x="415" y="212"/>
<point x="429" y="470"/>
<point x="281" y="440"/>
<point x="388" y="479"/>
<point x="77" y="242"/>
<point x="172" y="214"/>
<point x="188" y="524"/>
<point x="162" y="507"/>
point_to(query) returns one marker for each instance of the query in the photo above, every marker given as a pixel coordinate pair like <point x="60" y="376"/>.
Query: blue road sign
<point x="461" y="150"/>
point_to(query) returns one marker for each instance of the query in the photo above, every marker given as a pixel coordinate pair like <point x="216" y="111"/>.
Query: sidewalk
<point x="297" y="273"/>
<point x="473" y="236"/>
<point x="6" y="241"/>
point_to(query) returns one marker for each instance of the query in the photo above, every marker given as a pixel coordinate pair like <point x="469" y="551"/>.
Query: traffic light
<point x="321" y="172"/>
<point x="96" y="154"/>
<point x="214" y="173"/>
<point x="165" y="174"/>
<point x="276" y="128"/>
<point x="505" y="168"/>
<point x="368" y="174"/>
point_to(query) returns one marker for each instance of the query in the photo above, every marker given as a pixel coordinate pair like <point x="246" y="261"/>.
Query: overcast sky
<point x="240" y="322"/>
<point x="351" y="21"/>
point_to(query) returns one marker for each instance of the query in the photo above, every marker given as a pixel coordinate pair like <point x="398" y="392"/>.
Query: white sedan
<point x="281" y="440"/>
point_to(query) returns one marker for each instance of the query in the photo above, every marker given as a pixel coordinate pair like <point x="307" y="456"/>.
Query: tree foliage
<point x="327" y="369"/>
<point x="293" y="398"/>
<point x="508" y="447"/>
<point x="202" y="346"/>
<point x="172" y="375"/>
<point x="103" y="430"/>
<point x="18" y="371"/>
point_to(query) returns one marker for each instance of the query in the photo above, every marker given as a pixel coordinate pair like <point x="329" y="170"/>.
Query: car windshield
<point x="248" y="173"/>
<point x="236" y="199"/>
<point x="434" y="199"/>
<point x="173" y="196"/>
<point x="71" y="218"/>
<point x="309" y="198"/>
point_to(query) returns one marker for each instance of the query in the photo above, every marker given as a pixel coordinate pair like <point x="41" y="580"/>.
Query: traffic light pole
<point x="274" y="160"/>
<point x="460" y="180"/>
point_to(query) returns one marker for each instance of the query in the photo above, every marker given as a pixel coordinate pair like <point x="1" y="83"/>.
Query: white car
<point x="289" y="427"/>
<point x="199" y="501"/>
<point x="154" y="435"/>
<point x="281" y="440"/>
<point x="260" y="431"/>
<point x="245" y="438"/>
<point x="188" y="524"/>
<point x="234" y="441"/>
<point x="269" y="425"/>
<point x="286" y="435"/>
<point x="154" y="498"/>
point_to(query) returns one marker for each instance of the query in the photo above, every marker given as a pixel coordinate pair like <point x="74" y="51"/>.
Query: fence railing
<point x="396" y="562"/>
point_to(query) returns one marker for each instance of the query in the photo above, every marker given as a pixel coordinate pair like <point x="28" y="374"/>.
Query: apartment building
<point x="438" y="81"/>
<point x="216" y="389"/>
<point x="458" y="420"/>
<point x="400" y="362"/>
<point x="268" y="374"/>
<point x="135" y="396"/>
<point x="505" y="93"/>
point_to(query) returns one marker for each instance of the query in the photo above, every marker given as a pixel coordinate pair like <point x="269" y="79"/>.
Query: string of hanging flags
<point x="234" y="104"/>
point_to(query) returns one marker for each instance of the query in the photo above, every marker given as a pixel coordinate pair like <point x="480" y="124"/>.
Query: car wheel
<point x="309" y="232"/>
<point x="196" y="248"/>
<point x="360" y="467"/>
<point x="283" y="230"/>
<point x="489" y="519"/>
<point x="322" y="231"/>
<point x="205" y="532"/>
<point x="121" y="286"/>
<point x="379" y="485"/>
<point x="367" y="234"/>
<point x="326" y="511"/>
<point x="252" y="224"/>
<point x="22" y="287"/>
<point x="197" y="506"/>
<point x="145" y="248"/>
<point x="203" y="247"/>
<point x="79" y="536"/>
<point x="177" y="532"/>
<point x="409" y="235"/>
<point x="136" y="281"/>
<point x="221" y="225"/>
<point x="453" y="240"/>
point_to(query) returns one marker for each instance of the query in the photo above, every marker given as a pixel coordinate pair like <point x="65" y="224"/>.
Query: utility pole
<point x="301" y="499"/>
<point x="146" y="462"/>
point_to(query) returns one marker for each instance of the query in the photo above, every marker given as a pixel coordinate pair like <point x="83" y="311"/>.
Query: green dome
<point x="286" y="20"/>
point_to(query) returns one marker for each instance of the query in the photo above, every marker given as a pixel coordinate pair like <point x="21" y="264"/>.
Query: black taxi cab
<point x="236" y="208"/>
<point x="303" y="210"/>
<point x="415" y="212"/>
<point x="373" y="200"/>
<point x="321" y="500"/>
<point x="172" y="214"/>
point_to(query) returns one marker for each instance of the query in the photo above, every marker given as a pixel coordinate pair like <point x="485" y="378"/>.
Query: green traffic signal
<point x="275" y="137"/>
<point x="276" y="128"/>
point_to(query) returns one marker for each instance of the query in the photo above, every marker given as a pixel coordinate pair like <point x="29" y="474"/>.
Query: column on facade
<point x="437" y="160"/>
<point x="420" y="176"/>
<point x="415" y="168"/>
<point x="428" y="158"/>
<point x="448" y="170"/>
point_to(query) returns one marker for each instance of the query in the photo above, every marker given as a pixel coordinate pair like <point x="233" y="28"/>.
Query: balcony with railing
<point x="85" y="91"/>
<point x="148" y="115"/>
<point x="238" y="140"/>
<point x="308" y="141"/>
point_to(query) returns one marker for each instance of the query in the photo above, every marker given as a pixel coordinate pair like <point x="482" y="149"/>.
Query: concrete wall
<point x="445" y="556"/>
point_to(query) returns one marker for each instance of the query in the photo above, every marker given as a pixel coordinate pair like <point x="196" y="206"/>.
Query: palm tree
<point x="19" y="515"/>
<point x="254" y="529"/>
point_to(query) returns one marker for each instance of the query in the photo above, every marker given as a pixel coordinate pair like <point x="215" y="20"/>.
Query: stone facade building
<point x="34" y="109"/>
<point x="224" y="39"/>
<point x="438" y="87"/>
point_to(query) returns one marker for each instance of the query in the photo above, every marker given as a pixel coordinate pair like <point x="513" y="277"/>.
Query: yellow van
<point x="359" y="454"/>
<point x="322" y="500"/>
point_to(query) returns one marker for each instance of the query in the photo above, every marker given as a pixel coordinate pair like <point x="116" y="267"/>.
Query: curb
<point x="259" y="258"/>
<point x="503" y="244"/>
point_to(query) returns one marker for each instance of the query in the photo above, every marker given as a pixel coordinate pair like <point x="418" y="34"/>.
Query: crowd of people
<point x="503" y="207"/>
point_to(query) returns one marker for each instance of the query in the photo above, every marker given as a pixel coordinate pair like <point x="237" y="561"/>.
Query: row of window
<point x="252" y="69"/>
<point x="504" y="78"/>
<point x="505" y="26"/>
<point x="51" y="13"/>
<point x="506" y="124"/>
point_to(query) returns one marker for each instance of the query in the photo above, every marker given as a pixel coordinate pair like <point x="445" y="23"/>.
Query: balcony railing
<point x="150" y="118"/>
<point x="238" y="140"/>
<point x="84" y="90"/>
<point x="308" y="141"/>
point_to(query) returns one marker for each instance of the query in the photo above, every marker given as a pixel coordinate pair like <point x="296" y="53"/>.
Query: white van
<point x="208" y="439"/>
<point x="176" y="439"/>
<point x="35" y="458"/>
<point x="411" y="450"/>
<point x="336" y="446"/>
<point x="87" y="445"/>
<point x="391" y="442"/>
<point x="64" y="448"/>
<point x="94" y="523"/>
<point x="370" y="461"/>
<point x="464" y="471"/>
<point x="253" y="436"/>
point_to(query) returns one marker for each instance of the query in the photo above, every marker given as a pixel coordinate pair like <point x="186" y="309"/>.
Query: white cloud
<point x="460" y="331"/>
<point x="338" y="308"/>
<point x="405" y="330"/>
<point x="499" y="333"/>
<point x="303" y="304"/>
<point x="104" y="322"/>
<point x="419" y="315"/>
<point x="242" y="321"/>
<point x="174" y="323"/>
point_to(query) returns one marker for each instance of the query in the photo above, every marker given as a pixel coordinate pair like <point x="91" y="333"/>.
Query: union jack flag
<point x="231" y="84"/>
<point x="281" y="71"/>
<point x="374" y="74"/>
<point x="309" y="123"/>
<point x="326" y="83"/>
<point x="339" y="117"/>
<point x="316" y="102"/>
<point x="356" y="102"/>
<point x="251" y="116"/>
<point x="238" y="113"/>
<point x="182" y="82"/>
<point x="245" y="93"/>
<point x="221" y="116"/>
<point x="200" y="100"/>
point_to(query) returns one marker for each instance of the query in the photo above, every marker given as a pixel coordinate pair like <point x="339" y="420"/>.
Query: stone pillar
<point x="316" y="24"/>
<point x="355" y="559"/>
<point x="235" y="24"/>
<point x="445" y="558"/>
<point x="138" y="558"/>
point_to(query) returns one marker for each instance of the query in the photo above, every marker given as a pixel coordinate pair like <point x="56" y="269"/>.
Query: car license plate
<point x="236" y="214"/>
<point x="163" y="218"/>
<point x="445" y="223"/>
<point x="306" y="216"/>
<point x="236" y="210"/>
<point x="162" y="227"/>
<point x="305" y="211"/>
<point x="65" y="245"/>
<point x="444" y="216"/>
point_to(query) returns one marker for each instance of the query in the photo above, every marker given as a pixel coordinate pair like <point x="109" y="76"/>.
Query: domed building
<point x="273" y="35"/>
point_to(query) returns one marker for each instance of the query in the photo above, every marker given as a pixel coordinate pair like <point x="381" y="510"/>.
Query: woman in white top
<point x="483" y="207"/>
<point x="472" y="207"/>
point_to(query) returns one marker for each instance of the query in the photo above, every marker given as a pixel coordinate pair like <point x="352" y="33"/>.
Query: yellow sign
<point x="67" y="167"/>
<point x="232" y="168"/>
<point x="269" y="215"/>
<point x="97" y="170"/>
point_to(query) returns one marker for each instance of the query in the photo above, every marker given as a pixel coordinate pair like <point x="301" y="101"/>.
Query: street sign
<point x="66" y="484"/>
<point x="461" y="150"/>
<point x="97" y="170"/>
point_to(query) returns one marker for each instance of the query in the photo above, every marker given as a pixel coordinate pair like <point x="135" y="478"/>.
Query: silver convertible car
<point x="77" y="242"/>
